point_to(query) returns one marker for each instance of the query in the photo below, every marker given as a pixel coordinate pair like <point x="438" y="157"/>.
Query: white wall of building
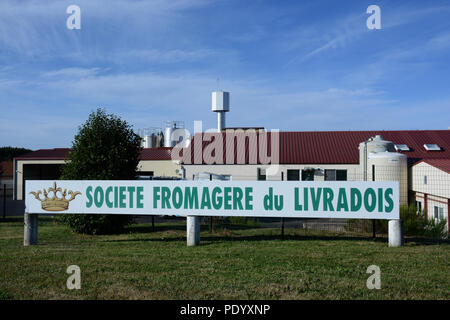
<point x="431" y="180"/>
<point x="433" y="184"/>
<point x="250" y="171"/>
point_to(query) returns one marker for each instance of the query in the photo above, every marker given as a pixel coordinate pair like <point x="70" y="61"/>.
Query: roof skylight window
<point x="401" y="147"/>
<point x="432" y="147"/>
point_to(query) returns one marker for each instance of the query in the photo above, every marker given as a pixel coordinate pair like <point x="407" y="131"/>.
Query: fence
<point x="424" y="189"/>
<point x="8" y="206"/>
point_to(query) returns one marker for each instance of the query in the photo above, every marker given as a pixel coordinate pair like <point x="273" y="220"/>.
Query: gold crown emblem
<point x="55" y="203"/>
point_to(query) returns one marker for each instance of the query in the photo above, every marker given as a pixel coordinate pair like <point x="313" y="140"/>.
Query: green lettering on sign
<point x="297" y="205"/>
<point x="89" y="196"/>
<point x="388" y="197"/>
<point x="177" y="197"/>
<point x="122" y="197"/>
<point x="342" y="200"/>
<point x="355" y="199"/>
<point x="217" y="201"/>
<point x="315" y="198"/>
<point x="248" y="198"/>
<point x="156" y="196"/>
<point x="370" y="205"/>
<point x="107" y="198"/>
<point x="98" y="197"/>
<point x="191" y="198"/>
<point x="227" y="198"/>
<point x="165" y="197"/>
<point x="139" y="197"/>
<point x="328" y="196"/>
<point x="131" y="191"/>
<point x="237" y="198"/>
<point x="206" y="201"/>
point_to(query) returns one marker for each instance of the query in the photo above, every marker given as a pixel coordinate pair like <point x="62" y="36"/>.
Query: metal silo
<point x="380" y="162"/>
<point x="390" y="166"/>
<point x="170" y="127"/>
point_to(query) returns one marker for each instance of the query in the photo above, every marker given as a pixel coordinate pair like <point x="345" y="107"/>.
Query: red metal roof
<point x="156" y="154"/>
<point x="46" y="154"/>
<point x="62" y="153"/>
<point x="337" y="147"/>
<point x="303" y="147"/>
<point x="443" y="164"/>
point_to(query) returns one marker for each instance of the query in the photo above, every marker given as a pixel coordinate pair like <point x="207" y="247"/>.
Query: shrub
<point x="436" y="229"/>
<point x="413" y="222"/>
<point x="416" y="224"/>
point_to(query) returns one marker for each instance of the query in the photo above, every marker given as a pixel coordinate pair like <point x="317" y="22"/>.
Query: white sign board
<point x="290" y="199"/>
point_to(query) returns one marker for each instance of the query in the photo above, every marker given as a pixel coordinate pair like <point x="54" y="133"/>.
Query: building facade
<point x="417" y="159"/>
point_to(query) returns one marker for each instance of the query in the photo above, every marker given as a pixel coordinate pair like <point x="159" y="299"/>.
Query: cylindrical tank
<point x="167" y="136"/>
<point x="170" y="127"/>
<point x="159" y="140"/>
<point x="374" y="144"/>
<point x="389" y="166"/>
<point x="150" y="137"/>
<point x="378" y="144"/>
<point x="146" y="141"/>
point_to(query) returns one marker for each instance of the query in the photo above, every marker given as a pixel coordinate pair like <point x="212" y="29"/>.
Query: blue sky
<point x="289" y="65"/>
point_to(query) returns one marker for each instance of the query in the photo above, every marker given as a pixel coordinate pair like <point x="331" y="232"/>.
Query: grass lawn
<point x="237" y="263"/>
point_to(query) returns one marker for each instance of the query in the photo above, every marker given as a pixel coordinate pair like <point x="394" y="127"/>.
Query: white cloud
<point x="72" y="72"/>
<point x="441" y="41"/>
<point x="38" y="28"/>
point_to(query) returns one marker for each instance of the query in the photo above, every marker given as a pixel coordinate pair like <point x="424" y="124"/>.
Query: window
<point x="330" y="175"/>
<point x="438" y="213"/>
<point x="145" y="175"/>
<point x="424" y="179"/>
<point x="401" y="147"/>
<point x="432" y="147"/>
<point x="418" y="206"/>
<point x="335" y="175"/>
<point x="308" y="175"/>
<point x="293" y="175"/>
<point x="261" y="174"/>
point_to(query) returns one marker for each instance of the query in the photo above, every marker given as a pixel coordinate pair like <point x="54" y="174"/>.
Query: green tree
<point x="105" y="148"/>
<point x="8" y="153"/>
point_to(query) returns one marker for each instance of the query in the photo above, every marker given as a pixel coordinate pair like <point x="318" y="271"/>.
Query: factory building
<point x="418" y="159"/>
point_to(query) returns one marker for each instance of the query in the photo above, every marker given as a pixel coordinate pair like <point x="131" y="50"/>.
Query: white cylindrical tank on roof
<point x="373" y="144"/>
<point x="380" y="162"/>
<point x="146" y="142"/>
<point x="151" y="137"/>
<point x="390" y="166"/>
<point x="167" y="136"/>
<point x="170" y="127"/>
<point x="378" y="144"/>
